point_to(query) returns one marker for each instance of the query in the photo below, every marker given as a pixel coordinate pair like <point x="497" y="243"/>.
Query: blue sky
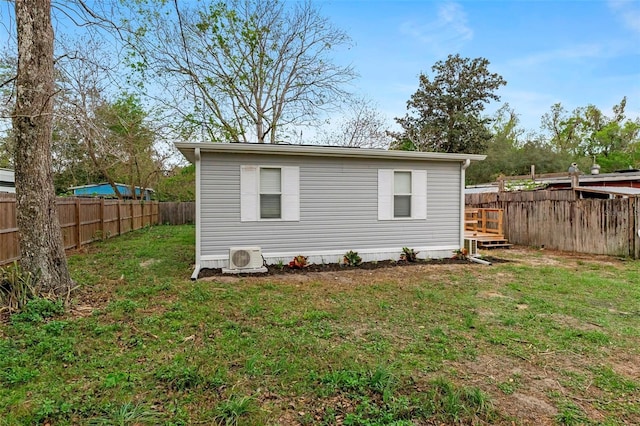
<point x="576" y="52"/>
<point x="573" y="52"/>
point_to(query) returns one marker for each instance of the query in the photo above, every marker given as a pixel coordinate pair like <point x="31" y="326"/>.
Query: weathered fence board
<point x="82" y="220"/>
<point x="177" y="213"/>
<point x="559" y="220"/>
<point x="9" y="248"/>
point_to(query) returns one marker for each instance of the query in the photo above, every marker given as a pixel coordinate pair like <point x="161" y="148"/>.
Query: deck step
<point x="494" y="244"/>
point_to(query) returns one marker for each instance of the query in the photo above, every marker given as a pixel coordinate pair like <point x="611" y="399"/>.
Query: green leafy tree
<point x="605" y="136"/>
<point x="563" y="129"/>
<point x="511" y="151"/>
<point x="445" y="112"/>
<point x="587" y="133"/>
<point x="178" y="185"/>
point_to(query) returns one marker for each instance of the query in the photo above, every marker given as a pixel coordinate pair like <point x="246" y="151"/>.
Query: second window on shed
<point x="402" y="194"/>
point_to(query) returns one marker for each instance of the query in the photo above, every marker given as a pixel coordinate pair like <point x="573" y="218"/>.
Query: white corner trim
<point x="198" y="164"/>
<point x="463" y="169"/>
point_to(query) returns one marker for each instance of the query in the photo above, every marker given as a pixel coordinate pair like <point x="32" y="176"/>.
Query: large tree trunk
<point x="41" y="245"/>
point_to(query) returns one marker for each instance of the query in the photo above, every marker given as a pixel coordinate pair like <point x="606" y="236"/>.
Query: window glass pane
<point x="402" y="182"/>
<point x="270" y="206"/>
<point x="270" y="181"/>
<point x="402" y="206"/>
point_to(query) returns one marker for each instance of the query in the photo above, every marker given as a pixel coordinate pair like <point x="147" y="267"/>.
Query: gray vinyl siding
<point x="338" y="206"/>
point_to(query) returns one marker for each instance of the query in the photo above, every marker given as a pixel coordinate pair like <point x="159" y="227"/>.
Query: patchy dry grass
<point x="546" y="338"/>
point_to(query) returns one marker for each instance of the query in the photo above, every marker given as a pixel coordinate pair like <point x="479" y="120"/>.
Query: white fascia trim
<point x="186" y="148"/>
<point x="335" y="256"/>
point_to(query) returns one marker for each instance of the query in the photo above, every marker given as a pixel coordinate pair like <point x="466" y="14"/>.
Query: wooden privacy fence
<point x="177" y="213"/>
<point x="82" y="220"/>
<point x="561" y="220"/>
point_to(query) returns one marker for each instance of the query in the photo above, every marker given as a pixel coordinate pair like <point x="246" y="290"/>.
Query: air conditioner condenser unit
<point x="471" y="245"/>
<point x="245" y="260"/>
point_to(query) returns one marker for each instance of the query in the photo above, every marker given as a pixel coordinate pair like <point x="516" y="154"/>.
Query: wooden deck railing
<point x="484" y="221"/>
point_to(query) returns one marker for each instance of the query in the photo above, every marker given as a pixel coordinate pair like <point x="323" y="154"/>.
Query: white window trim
<point x="261" y="193"/>
<point x="386" y="194"/>
<point x="250" y="193"/>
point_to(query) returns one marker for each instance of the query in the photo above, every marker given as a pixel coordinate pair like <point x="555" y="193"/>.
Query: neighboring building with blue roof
<point x="7" y="180"/>
<point x="104" y="190"/>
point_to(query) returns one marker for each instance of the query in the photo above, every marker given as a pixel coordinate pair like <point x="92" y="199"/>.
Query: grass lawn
<point x="545" y="338"/>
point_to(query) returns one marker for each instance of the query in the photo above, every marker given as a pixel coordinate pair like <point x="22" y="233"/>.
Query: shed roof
<point x="188" y="150"/>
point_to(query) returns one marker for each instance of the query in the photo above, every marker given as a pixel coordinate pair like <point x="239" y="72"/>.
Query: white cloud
<point x="628" y="11"/>
<point x="564" y="54"/>
<point x="446" y="33"/>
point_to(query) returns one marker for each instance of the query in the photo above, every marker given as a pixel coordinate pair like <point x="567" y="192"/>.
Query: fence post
<point x="133" y="222"/>
<point x="119" y="216"/>
<point x="78" y="224"/>
<point x="633" y="226"/>
<point x="102" y="218"/>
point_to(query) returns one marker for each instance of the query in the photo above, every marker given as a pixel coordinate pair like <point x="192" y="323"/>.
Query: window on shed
<point x="402" y="194"/>
<point x="270" y="193"/>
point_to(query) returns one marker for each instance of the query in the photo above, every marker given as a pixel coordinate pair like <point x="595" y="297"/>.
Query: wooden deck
<point x="486" y="226"/>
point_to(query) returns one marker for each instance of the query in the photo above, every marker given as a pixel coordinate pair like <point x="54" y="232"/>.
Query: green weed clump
<point x="376" y="399"/>
<point x="183" y="375"/>
<point x="38" y="310"/>
<point x="230" y="411"/>
<point x="17" y="287"/>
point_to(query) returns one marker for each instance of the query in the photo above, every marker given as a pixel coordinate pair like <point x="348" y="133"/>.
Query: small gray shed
<point x="321" y="202"/>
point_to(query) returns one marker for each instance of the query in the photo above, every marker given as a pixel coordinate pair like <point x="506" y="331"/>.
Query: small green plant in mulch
<point x="409" y="255"/>
<point x="460" y="254"/>
<point x="351" y="258"/>
<point x="299" y="262"/>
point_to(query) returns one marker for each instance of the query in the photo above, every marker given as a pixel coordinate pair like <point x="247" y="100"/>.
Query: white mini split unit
<point x="245" y="260"/>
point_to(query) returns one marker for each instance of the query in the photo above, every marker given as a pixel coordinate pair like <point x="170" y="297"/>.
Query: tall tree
<point x="445" y="112"/>
<point x="41" y="245"/>
<point x="250" y="67"/>
<point x="511" y="151"/>
<point x="564" y="129"/>
<point x="587" y="132"/>
<point x="362" y="126"/>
